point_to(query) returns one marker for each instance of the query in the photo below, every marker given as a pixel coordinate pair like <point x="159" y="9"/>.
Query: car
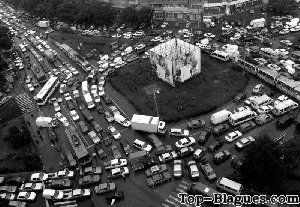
<point x="258" y="89"/>
<point x="142" y="145"/>
<point x="38" y="177"/>
<point x="220" y="129"/>
<point x="108" y="116"/>
<point x="101" y="91"/>
<point x="221" y="156"/>
<point x="8" y="196"/>
<point x="244" y="142"/>
<point x="83" y="127"/>
<point x="285" y="121"/>
<point x="65" y="173"/>
<point x="185" y="151"/>
<point x="97" y="126"/>
<point x="115" y="151"/>
<point x="89" y="180"/>
<point x="168" y="156"/>
<point x="56" y="106"/>
<point x="265" y="109"/>
<point x="242" y="108"/>
<point x="196" y="124"/>
<point x="179" y="132"/>
<point x="107" y="139"/>
<point x="185" y="142"/>
<point x="8" y="189"/>
<point x="30" y="87"/>
<point x="239" y="97"/>
<point x="67" y="96"/>
<point x="103" y="188"/>
<point x="236" y="163"/>
<point x="100" y="109"/>
<point x="215" y="145"/>
<point x="59" y="184"/>
<point x="28" y="79"/>
<point x="107" y="100"/>
<point x="116" y="196"/>
<point x="114" y="110"/>
<point x="94" y="137"/>
<point x="209" y="35"/>
<point x="250" y="99"/>
<point x="31" y="187"/>
<point x="154" y="140"/>
<point x="74" y="115"/>
<point x="96" y="98"/>
<point x="273" y="67"/>
<point x="158" y="179"/>
<point x="263" y="118"/>
<point x="92" y="170"/>
<point x="233" y="136"/>
<point x="204" y="135"/>
<point x="114" y="132"/>
<point x="124" y="144"/>
<point x="155" y="169"/>
<point x="74" y="194"/>
<point x="199" y="153"/>
<point x="70" y="105"/>
<point x="208" y="170"/>
<point x="193" y="170"/>
<point x="286" y="42"/>
<point x="63" y="88"/>
<point x="100" y="152"/>
<point x="26" y="196"/>
<point x="247" y="126"/>
<point x="177" y="168"/>
<point x="118" y="172"/>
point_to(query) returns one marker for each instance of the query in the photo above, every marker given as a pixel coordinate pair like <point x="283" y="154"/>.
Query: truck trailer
<point x="148" y="124"/>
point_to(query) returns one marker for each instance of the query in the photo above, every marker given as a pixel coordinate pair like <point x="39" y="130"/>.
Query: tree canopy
<point x="283" y="7"/>
<point x="5" y="42"/>
<point x="136" y="17"/>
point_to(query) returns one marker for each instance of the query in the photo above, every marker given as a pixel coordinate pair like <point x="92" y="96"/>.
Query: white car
<point x="51" y="194"/>
<point x="101" y="91"/>
<point x="38" y="177"/>
<point x="139" y="34"/>
<point x="284" y="31"/>
<point x="177" y="168"/>
<point x="94" y="137"/>
<point x="193" y="169"/>
<point x="63" y="88"/>
<point x="114" y="163"/>
<point x="116" y="36"/>
<point x="261" y="61"/>
<point x="140" y="46"/>
<point x="274" y="67"/>
<point x="31" y="187"/>
<point x="142" y="145"/>
<point x="156" y="39"/>
<point x="26" y="196"/>
<point x="179" y="132"/>
<point x="76" y="93"/>
<point x="74" y="71"/>
<point x="265" y="109"/>
<point x="185" y="142"/>
<point x="30" y="87"/>
<point x="56" y="106"/>
<point x="209" y="35"/>
<point x="96" y="98"/>
<point x="119" y="172"/>
<point x="101" y="83"/>
<point x="233" y="136"/>
<point x="62" y="118"/>
<point x="67" y="96"/>
<point x="114" y="132"/>
<point x="295" y="29"/>
<point x="242" y="108"/>
<point x="258" y="88"/>
<point x="8" y="196"/>
<point x="65" y="173"/>
<point x="168" y="156"/>
<point x="286" y="42"/>
<point x="94" y="89"/>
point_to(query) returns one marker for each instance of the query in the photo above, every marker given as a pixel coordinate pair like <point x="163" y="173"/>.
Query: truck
<point x="46" y="122"/>
<point x="257" y="23"/>
<point x="148" y="124"/>
<point x="158" y="179"/>
<point x="43" y="24"/>
<point x="220" y="116"/>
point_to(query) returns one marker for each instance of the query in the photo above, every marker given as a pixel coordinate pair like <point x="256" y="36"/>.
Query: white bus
<point x="84" y="87"/>
<point x="220" y="55"/>
<point x="47" y="90"/>
<point x="261" y="101"/>
<point x="229" y="186"/>
<point x="89" y="100"/>
<point x="284" y="107"/>
<point x="241" y="117"/>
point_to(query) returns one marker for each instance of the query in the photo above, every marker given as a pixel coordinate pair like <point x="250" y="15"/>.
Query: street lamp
<point x="155" y="101"/>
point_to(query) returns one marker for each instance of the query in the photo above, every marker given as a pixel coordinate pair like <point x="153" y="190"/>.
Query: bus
<point x="89" y="100"/>
<point x="39" y="74"/>
<point x="284" y="107"/>
<point x="288" y="86"/>
<point x="84" y="87"/>
<point x="220" y="55"/>
<point x="241" y="117"/>
<point x="47" y="90"/>
<point x="229" y="186"/>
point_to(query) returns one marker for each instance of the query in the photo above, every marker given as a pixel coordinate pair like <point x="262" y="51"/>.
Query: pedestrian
<point x="124" y="178"/>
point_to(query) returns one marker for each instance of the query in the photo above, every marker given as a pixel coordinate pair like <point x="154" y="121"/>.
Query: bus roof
<point x="46" y="87"/>
<point x="227" y="182"/>
<point x="241" y="114"/>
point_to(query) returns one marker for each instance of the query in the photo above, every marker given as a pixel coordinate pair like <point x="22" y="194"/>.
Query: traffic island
<point x="214" y="86"/>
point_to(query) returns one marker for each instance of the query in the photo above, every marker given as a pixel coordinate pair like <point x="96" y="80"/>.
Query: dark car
<point x="101" y="153"/>
<point x="221" y="156"/>
<point x="196" y="124"/>
<point x="105" y="188"/>
<point x="204" y="135"/>
<point x="107" y="139"/>
<point x="216" y="145"/>
<point x="83" y="127"/>
<point x="100" y="109"/>
<point x="125" y="146"/>
<point x="70" y="105"/>
<point x="239" y="97"/>
<point x="154" y="140"/>
<point x="186" y="151"/>
<point x="236" y="163"/>
<point x="247" y="126"/>
<point x="97" y="126"/>
<point x="59" y="184"/>
<point x="163" y="149"/>
<point x="117" y="196"/>
<point x="115" y="151"/>
<point x="285" y="121"/>
<point x="107" y="100"/>
<point x="88" y="180"/>
<point x="220" y="129"/>
<point x="15" y="181"/>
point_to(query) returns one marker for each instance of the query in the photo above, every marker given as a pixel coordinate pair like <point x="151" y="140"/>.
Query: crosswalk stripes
<point x="25" y="103"/>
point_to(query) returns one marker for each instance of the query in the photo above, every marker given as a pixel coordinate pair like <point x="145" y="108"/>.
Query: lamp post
<point x="155" y="101"/>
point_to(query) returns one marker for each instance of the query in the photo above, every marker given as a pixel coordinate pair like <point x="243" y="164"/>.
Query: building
<point x="175" y="61"/>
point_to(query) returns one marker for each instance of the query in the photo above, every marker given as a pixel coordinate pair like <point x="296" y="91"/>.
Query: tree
<point x="145" y="15"/>
<point x="280" y="7"/>
<point x="129" y="16"/>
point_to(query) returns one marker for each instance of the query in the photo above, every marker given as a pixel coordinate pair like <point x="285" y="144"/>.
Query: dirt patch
<point x="151" y="89"/>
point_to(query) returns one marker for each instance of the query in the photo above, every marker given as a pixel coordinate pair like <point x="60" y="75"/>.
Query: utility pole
<point x="155" y="101"/>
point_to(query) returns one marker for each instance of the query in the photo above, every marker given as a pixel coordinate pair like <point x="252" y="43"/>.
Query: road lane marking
<point x="185" y="182"/>
<point x="124" y="130"/>
<point x="120" y="108"/>
<point x="180" y="190"/>
<point x="171" y="202"/>
<point x="184" y="187"/>
<point x="90" y="146"/>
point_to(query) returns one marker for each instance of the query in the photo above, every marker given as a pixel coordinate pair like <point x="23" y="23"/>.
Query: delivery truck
<point x="220" y="116"/>
<point x="148" y="124"/>
<point x="257" y="23"/>
<point x="46" y="122"/>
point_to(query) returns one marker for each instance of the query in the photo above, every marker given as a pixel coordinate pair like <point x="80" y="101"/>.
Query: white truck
<point x="148" y="124"/>
<point x="220" y="116"/>
<point x="257" y="23"/>
<point x="46" y="122"/>
<point x="43" y="24"/>
<point x="292" y="23"/>
<point x="121" y="120"/>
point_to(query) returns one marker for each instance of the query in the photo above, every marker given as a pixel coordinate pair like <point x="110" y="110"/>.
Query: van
<point x="261" y="101"/>
<point x="220" y="116"/>
<point x="229" y="186"/>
